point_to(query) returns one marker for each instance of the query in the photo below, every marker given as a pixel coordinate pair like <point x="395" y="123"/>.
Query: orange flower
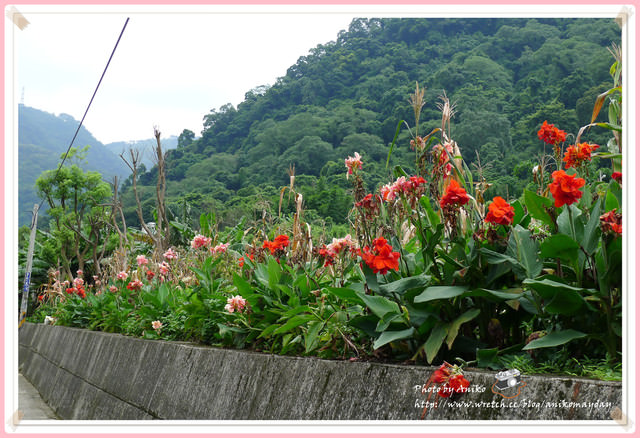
<point x="565" y="188"/>
<point x="550" y="134"/>
<point x="382" y="257"/>
<point x="278" y="244"/>
<point x="576" y="155"/>
<point x="500" y="212"/>
<point x="454" y="195"/>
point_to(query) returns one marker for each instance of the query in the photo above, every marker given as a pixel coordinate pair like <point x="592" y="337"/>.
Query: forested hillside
<point x="505" y="77"/>
<point x="42" y="138"/>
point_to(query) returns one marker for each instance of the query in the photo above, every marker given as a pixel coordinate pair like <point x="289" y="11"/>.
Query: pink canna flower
<point x="113" y="289"/>
<point x="236" y="303"/>
<point x="142" y="260"/>
<point x="170" y="254"/>
<point x="122" y="275"/>
<point x="388" y="192"/>
<point x="164" y="268"/>
<point x="353" y="163"/>
<point x="157" y="326"/>
<point x="199" y="241"/>
<point x="220" y="249"/>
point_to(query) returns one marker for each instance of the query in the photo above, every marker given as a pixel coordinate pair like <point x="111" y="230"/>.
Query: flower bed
<point x="431" y="272"/>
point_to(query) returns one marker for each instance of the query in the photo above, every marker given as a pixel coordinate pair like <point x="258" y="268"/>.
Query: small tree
<point x="77" y="210"/>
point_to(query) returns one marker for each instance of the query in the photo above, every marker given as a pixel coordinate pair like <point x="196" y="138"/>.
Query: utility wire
<point x="89" y="106"/>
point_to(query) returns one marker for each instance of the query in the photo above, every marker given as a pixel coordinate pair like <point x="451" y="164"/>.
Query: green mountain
<point x="42" y="139"/>
<point x="505" y="77"/>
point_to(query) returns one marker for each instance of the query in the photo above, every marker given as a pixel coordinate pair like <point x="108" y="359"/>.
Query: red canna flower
<point x="617" y="176"/>
<point x="441" y="375"/>
<point x="150" y="275"/>
<point x="454" y="195"/>
<point x="458" y="383"/>
<point x="135" y="285"/>
<point x="565" y="188"/>
<point x="381" y="258"/>
<point x="577" y="155"/>
<point x="500" y="212"/>
<point x="241" y="262"/>
<point x="328" y="256"/>
<point x="611" y="222"/>
<point x="550" y="134"/>
<point x="40" y="297"/>
<point x="370" y="204"/>
<point x="278" y="244"/>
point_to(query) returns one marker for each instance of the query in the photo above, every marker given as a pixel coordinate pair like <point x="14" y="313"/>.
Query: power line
<point x="89" y="106"/>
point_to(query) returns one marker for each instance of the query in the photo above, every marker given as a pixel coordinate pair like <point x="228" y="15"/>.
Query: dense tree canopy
<point x="505" y="76"/>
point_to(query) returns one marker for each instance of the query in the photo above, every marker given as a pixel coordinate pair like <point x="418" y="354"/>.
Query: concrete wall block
<point x="94" y="375"/>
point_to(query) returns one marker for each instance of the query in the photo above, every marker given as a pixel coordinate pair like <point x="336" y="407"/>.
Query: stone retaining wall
<point x="90" y="375"/>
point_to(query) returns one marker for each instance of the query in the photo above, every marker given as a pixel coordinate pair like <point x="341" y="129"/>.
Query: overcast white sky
<point x="170" y="68"/>
<point x="175" y="64"/>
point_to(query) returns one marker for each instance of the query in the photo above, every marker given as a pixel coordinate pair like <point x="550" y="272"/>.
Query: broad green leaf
<point x="610" y="126"/>
<point x="225" y="329"/>
<point x="380" y="306"/>
<point x="560" y="246"/>
<point x="536" y="207"/>
<point x="370" y="278"/>
<point x="564" y="222"/>
<point x="404" y="284"/>
<point x="454" y="326"/>
<point x="500" y="295"/>
<point x="295" y="311"/>
<point x="554" y="339"/>
<point x="432" y="216"/>
<point x="270" y="329"/>
<point x="488" y="358"/>
<point x="243" y="286"/>
<point x="614" y="196"/>
<point x="559" y="298"/>
<point x="163" y="293"/>
<point x="433" y="344"/>
<point x="520" y="214"/>
<point x="440" y="293"/>
<point x="261" y="275"/>
<point x="345" y="293"/>
<point x="591" y="235"/>
<point x="387" y="320"/>
<point x="365" y="323"/>
<point x="522" y="247"/>
<point x="275" y="271"/>
<point x="311" y="337"/>
<point x="294" y="322"/>
<point x="496" y="258"/>
<point x="387" y="337"/>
